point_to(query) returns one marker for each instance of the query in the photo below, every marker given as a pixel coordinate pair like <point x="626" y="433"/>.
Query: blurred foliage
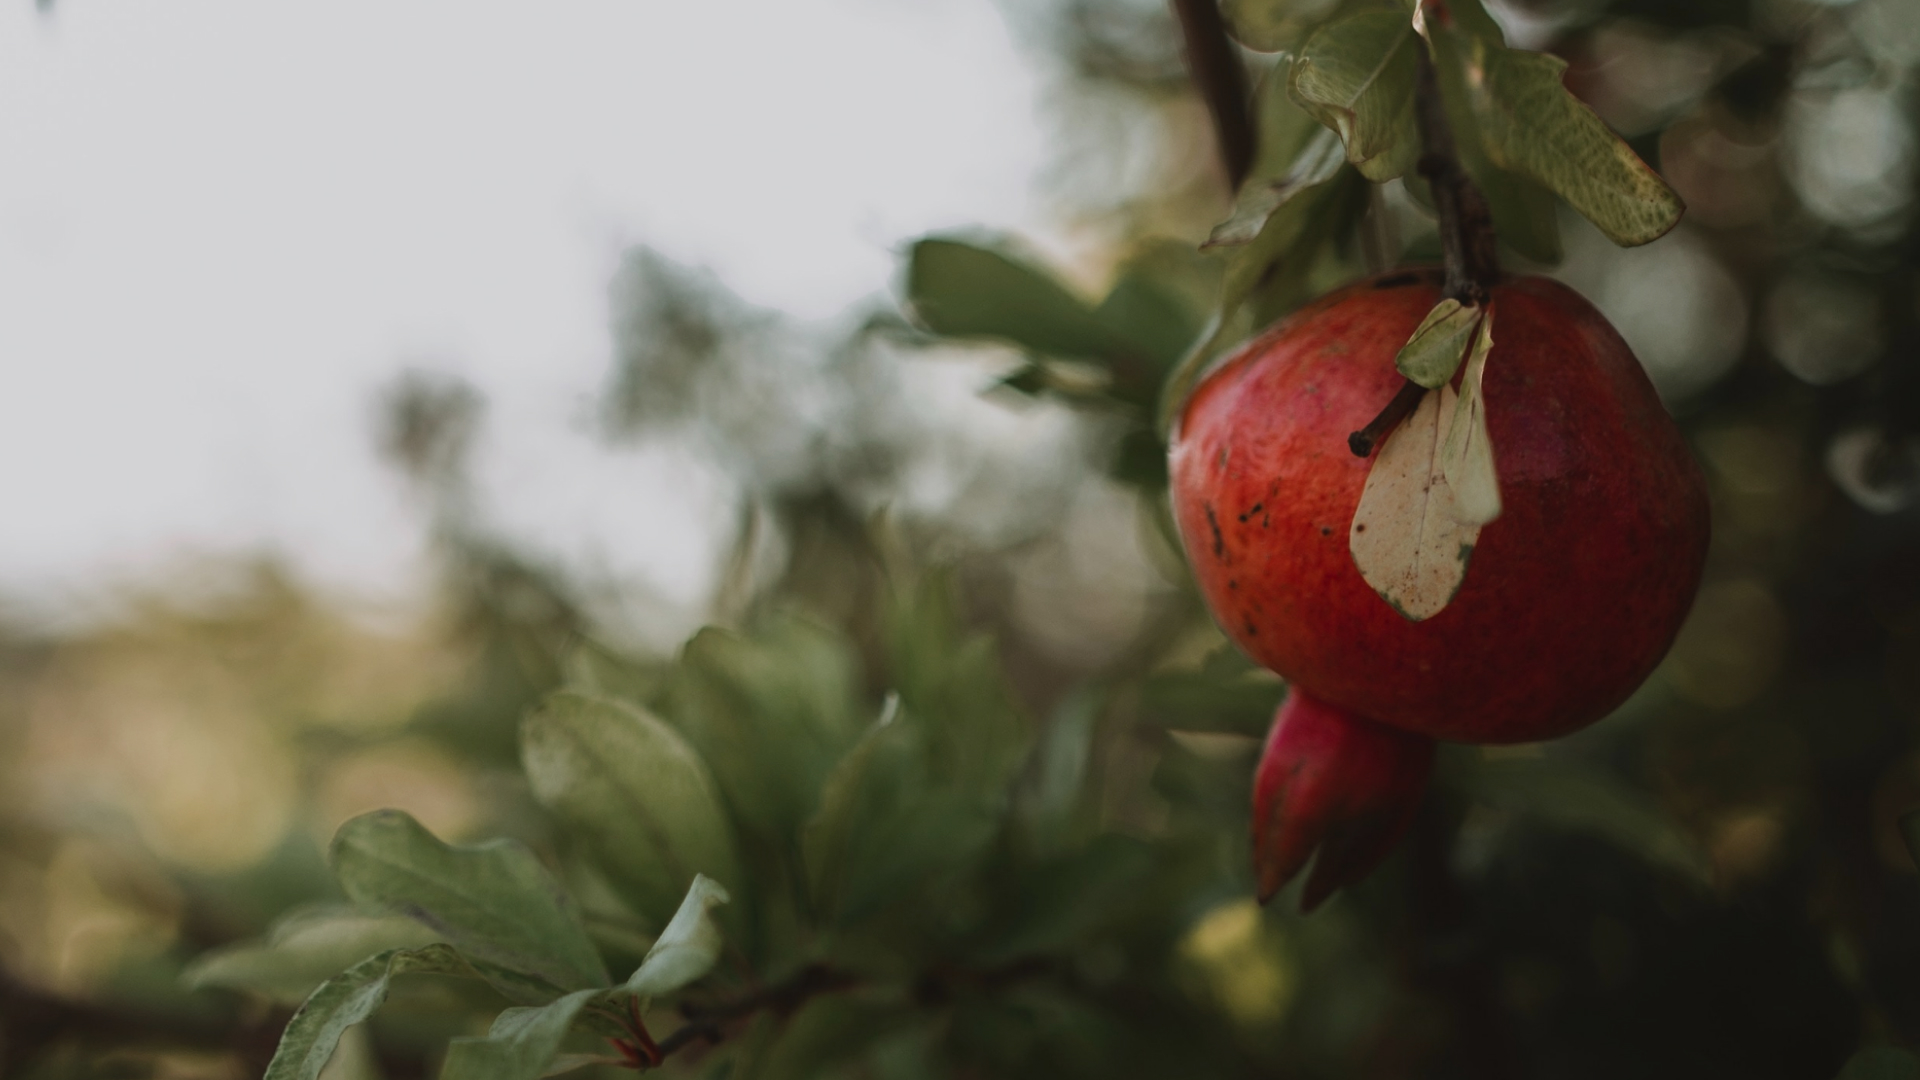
<point x="960" y="749"/>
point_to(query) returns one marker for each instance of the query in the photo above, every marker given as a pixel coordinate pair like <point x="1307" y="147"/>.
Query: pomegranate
<point x="1570" y="597"/>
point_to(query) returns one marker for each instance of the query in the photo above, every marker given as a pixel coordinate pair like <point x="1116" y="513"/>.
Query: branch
<point x="1214" y="63"/>
<point x="1466" y="225"/>
<point x="1467" y="239"/>
<point x="708" y="1023"/>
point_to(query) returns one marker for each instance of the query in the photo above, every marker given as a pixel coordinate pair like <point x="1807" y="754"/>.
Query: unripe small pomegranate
<point x="1571" y="596"/>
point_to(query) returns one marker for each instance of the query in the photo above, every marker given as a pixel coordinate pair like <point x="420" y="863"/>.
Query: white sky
<point x="223" y="225"/>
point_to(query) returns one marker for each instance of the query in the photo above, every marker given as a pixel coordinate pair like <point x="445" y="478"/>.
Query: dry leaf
<point x="1466" y="454"/>
<point x="1407" y="539"/>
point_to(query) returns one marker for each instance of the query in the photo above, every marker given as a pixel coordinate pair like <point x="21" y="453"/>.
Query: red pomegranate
<point x="1570" y="598"/>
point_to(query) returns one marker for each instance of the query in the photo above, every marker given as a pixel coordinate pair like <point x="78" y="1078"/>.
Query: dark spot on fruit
<point x="1252" y="630"/>
<point x="1219" y="542"/>
<point x="1251" y="510"/>
<point x="1233" y="583"/>
<point x="1396" y="281"/>
<point x="1326" y="530"/>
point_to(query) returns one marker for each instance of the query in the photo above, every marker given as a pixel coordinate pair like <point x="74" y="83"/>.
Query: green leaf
<point x="1525" y="215"/>
<point x="829" y="834"/>
<point x="1259" y="198"/>
<point x="688" y="948"/>
<point x="1881" y="1063"/>
<point x="887" y="825"/>
<point x="519" y="1046"/>
<point x="1436" y="347"/>
<point x="1149" y="308"/>
<point x="952" y="692"/>
<point x="635" y="792"/>
<point x="1356" y="76"/>
<point x="494" y="900"/>
<point x="1531" y="123"/>
<point x="1197" y="701"/>
<point x="1466" y="451"/>
<point x="1052" y="906"/>
<point x="1060" y="782"/>
<point x="1281" y="127"/>
<point x="819" y="1040"/>
<point x="962" y="290"/>
<point x="1269" y="25"/>
<point x="770" y="714"/>
<point x="1472" y="18"/>
<point x="1579" y="798"/>
<point x="304" y="949"/>
<point x="350" y="997"/>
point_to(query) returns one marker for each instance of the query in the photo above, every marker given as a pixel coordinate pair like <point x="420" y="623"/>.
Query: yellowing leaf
<point x="1466" y="454"/>
<point x="1531" y="123"/>
<point x="1406" y="539"/>
<point x="1356" y="76"/>
<point x="1434" y="351"/>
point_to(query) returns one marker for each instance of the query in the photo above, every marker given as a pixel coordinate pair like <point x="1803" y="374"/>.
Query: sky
<point x="225" y="225"/>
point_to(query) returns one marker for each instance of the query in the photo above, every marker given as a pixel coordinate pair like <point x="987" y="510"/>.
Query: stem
<point x="1466" y="225"/>
<point x="1467" y="240"/>
<point x="1218" y="75"/>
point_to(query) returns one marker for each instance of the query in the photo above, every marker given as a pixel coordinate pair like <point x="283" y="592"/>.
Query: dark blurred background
<point x="1711" y="882"/>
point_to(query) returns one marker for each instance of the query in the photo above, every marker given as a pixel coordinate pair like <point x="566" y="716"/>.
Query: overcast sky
<point x="223" y="225"/>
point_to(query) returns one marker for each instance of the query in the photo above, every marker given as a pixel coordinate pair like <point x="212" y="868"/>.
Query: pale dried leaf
<point x="1434" y="351"/>
<point x="1466" y="457"/>
<point x="1405" y="538"/>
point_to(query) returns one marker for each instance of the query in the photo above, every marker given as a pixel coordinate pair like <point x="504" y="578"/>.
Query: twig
<point x="1363" y="441"/>
<point x="1218" y="75"/>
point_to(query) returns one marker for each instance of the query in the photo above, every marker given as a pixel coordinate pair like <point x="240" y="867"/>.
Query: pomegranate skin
<point x="1333" y="786"/>
<point x="1572" y="595"/>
